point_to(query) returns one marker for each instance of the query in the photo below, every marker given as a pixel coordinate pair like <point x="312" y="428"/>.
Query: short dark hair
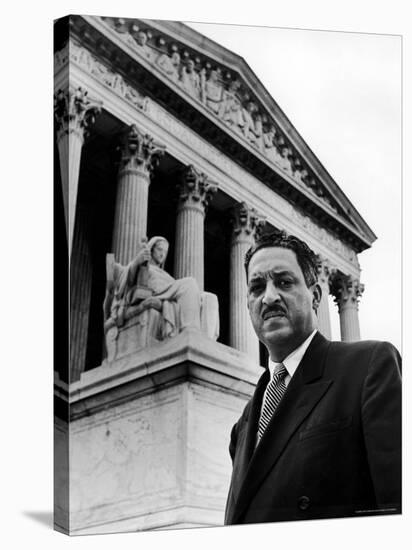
<point x="306" y="258"/>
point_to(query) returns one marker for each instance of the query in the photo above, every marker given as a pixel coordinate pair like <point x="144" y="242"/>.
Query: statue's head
<point x="214" y="75"/>
<point x="159" y="247"/>
<point x="142" y="38"/>
<point x="175" y="58"/>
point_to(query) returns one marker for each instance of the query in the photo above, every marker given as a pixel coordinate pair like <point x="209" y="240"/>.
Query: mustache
<point x="276" y="309"/>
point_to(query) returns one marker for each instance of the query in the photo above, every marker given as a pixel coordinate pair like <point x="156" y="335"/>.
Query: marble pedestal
<point x="149" y="436"/>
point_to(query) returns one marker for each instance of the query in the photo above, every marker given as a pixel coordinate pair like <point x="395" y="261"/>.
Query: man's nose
<point x="271" y="294"/>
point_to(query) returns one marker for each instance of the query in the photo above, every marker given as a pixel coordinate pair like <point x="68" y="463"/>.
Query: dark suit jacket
<point x="333" y="446"/>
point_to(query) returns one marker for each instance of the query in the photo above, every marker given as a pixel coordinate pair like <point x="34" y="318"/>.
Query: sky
<point x="342" y="92"/>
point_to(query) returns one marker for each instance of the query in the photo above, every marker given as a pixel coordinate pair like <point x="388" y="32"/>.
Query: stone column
<point x="347" y="292"/>
<point x="242" y="336"/>
<point x="324" y="273"/>
<point x="139" y="155"/>
<point x="80" y="296"/>
<point x="195" y="191"/>
<point x="74" y="113"/>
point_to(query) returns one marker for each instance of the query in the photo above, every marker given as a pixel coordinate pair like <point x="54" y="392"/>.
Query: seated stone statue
<point x="169" y="305"/>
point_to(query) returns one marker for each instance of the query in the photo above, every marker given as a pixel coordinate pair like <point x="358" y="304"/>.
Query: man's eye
<point x="285" y="283"/>
<point x="255" y="288"/>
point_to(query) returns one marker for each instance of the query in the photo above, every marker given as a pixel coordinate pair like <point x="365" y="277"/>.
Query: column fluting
<point x="139" y="155"/>
<point x="195" y="192"/>
<point x="80" y="296"/>
<point x="324" y="273"/>
<point x="242" y="336"/>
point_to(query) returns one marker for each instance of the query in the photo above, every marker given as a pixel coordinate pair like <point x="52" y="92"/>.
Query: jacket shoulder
<point x="359" y="357"/>
<point x="363" y="347"/>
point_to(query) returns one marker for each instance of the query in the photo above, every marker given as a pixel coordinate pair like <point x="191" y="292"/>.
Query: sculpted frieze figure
<point x="252" y="127"/>
<point x="259" y="131"/>
<point x="134" y="97"/>
<point x="190" y="79"/>
<point x="141" y="45"/>
<point x="270" y="144"/>
<point x="231" y="111"/>
<point x="101" y="72"/>
<point x="249" y="125"/>
<point x="285" y="161"/>
<point x="311" y="182"/>
<point x="222" y="96"/>
<point x="170" y="64"/>
<point x="212" y="90"/>
<point x="114" y="81"/>
<point x="299" y="172"/>
<point x="301" y="175"/>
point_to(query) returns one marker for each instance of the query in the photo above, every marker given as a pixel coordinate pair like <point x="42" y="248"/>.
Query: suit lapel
<point x="247" y="436"/>
<point x="303" y="393"/>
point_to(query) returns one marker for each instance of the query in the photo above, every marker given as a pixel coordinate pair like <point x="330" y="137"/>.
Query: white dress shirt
<point x="291" y="362"/>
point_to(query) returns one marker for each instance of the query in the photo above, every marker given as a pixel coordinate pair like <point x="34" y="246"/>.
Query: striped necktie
<point x="274" y="393"/>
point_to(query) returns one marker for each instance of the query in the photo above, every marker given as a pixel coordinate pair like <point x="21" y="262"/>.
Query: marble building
<point x="161" y="132"/>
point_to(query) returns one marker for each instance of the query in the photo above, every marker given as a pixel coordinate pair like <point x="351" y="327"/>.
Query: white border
<point x="26" y="277"/>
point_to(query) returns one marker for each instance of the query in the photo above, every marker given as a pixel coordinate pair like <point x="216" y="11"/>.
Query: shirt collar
<point x="292" y="361"/>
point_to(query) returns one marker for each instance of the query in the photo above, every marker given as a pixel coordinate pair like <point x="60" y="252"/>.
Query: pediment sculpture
<point x="226" y="95"/>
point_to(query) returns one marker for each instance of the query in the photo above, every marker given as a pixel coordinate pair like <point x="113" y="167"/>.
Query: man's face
<point x="280" y="304"/>
<point x="159" y="252"/>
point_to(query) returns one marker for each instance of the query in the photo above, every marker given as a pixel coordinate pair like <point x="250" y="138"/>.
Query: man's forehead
<point x="273" y="258"/>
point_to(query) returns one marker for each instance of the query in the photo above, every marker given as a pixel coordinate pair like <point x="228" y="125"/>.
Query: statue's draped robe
<point x="180" y="298"/>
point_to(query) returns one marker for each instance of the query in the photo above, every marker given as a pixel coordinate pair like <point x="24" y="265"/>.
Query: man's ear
<point x="317" y="296"/>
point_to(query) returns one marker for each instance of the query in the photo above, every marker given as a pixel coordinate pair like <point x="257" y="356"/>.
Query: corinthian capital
<point x="325" y="271"/>
<point x="246" y="222"/>
<point x="346" y="290"/>
<point x="139" y="150"/>
<point x="195" y="188"/>
<point x="75" y="112"/>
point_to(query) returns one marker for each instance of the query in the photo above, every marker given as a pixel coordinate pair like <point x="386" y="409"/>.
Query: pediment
<point x="222" y="87"/>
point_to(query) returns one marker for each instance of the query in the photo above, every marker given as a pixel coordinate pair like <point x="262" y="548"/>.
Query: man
<point x="321" y="436"/>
